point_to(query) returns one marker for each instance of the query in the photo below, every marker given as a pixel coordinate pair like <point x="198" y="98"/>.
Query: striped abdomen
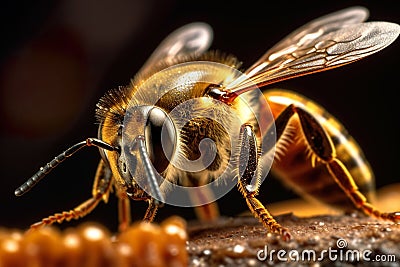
<point x="294" y="163"/>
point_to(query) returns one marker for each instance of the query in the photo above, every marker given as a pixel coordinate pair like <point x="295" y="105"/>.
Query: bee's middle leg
<point x="248" y="166"/>
<point x="202" y="194"/>
<point x="206" y="212"/>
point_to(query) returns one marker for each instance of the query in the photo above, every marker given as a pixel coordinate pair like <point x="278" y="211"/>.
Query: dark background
<point x="59" y="57"/>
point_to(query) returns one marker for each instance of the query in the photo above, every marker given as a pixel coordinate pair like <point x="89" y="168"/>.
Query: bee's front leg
<point x="248" y="166"/>
<point x="101" y="190"/>
<point x="151" y="210"/>
<point x="124" y="210"/>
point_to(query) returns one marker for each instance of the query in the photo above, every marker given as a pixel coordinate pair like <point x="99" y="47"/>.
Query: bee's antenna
<point x="43" y="171"/>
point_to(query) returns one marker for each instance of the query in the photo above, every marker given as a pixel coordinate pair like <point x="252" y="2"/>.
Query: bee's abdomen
<point x="295" y="167"/>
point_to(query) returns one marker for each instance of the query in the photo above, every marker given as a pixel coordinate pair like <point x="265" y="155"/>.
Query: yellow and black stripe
<point x="296" y="165"/>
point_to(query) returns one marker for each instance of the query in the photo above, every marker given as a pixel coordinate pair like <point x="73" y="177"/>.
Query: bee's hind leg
<point x="248" y="166"/>
<point x="101" y="190"/>
<point x="322" y="146"/>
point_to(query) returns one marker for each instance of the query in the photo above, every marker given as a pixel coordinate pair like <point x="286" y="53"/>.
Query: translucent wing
<point x="330" y="46"/>
<point x="193" y="38"/>
<point x="305" y="35"/>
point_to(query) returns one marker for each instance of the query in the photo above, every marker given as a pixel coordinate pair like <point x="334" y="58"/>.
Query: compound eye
<point x="160" y="137"/>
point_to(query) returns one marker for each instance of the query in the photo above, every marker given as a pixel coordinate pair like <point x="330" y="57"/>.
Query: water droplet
<point x="238" y="249"/>
<point x="207" y="252"/>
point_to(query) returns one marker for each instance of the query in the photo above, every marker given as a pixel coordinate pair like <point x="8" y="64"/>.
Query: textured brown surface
<point x="92" y="245"/>
<point x="226" y="242"/>
<point x="236" y="241"/>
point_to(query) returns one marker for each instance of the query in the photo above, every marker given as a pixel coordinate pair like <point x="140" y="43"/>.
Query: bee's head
<point x="148" y="140"/>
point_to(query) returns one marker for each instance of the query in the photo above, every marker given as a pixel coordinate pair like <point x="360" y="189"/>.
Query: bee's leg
<point x="101" y="190"/>
<point x="248" y="166"/>
<point x="151" y="210"/>
<point x="124" y="211"/>
<point x="202" y="194"/>
<point x="322" y="146"/>
<point x="207" y="212"/>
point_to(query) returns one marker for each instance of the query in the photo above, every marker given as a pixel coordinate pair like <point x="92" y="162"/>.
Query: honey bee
<point x="143" y="138"/>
